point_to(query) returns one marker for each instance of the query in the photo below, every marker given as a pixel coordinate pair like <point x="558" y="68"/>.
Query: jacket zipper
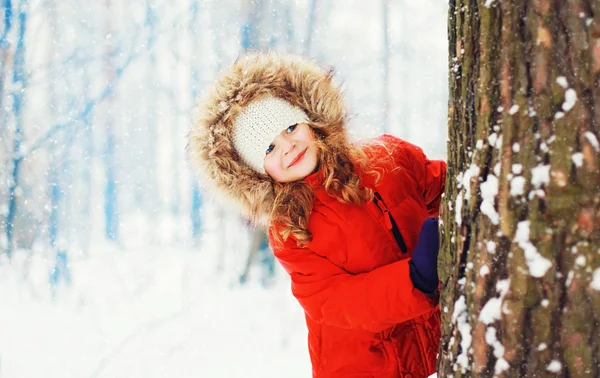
<point x="389" y="221"/>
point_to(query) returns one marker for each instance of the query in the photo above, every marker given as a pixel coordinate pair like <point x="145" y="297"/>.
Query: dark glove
<point x="423" y="265"/>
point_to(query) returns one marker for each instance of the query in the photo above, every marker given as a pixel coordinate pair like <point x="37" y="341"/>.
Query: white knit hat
<point x="257" y="126"/>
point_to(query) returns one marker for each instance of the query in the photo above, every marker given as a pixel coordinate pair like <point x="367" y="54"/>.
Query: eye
<point x="270" y="148"/>
<point x="291" y="128"/>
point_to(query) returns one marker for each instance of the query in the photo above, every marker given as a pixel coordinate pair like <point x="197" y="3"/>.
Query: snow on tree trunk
<point x="520" y="266"/>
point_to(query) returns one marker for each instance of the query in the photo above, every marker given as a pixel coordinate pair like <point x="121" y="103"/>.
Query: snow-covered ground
<point x="147" y="312"/>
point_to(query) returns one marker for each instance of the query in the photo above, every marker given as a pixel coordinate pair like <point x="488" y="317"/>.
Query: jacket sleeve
<point x="430" y="175"/>
<point x="431" y="178"/>
<point x="370" y="301"/>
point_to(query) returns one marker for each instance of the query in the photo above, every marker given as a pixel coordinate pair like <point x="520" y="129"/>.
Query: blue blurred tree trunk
<point x="53" y="176"/>
<point x="60" y="151"/>
<point x="385" y="62"/>
<point x="61" y="180"/>
<point x="88" y="157"/>
<point x="4" y="53"/>
<point x="5" y="46"/>
<point x="250" y="33"/>
<point x="175" y="98"/>
<point x="55" y="195"/>
<point x="147" y="190"/>
<point x="19" y="87"/>
<point x="196" y="216"/>
<point x="404" y="70"/>
<point x="288" y="23"/>
<point x="111" y="214"/>
<point x="196" y="207"/>
<point x="312" y="14"/>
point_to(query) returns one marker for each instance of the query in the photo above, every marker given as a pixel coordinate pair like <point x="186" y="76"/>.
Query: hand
<point x="423" y="266"/>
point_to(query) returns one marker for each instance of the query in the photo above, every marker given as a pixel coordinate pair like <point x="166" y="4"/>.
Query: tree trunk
<point x="521" y="243"/>
<point x="195" y="46"/>
<point x="19" y="90"/>
<point x="111" y="189"/>
<point x="385" y="65"/>
<point x="250" y="33"/>
<point x="312" y="14"/>
<point x="146" y="189"/>
<point x="5" y="47"/>
<point x="56" y="148"/>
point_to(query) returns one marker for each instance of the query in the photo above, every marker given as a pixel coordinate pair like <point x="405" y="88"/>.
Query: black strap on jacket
<point x="390" y="222"/>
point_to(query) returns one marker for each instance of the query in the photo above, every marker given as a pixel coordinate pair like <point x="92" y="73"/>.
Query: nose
<point x="287" y="145"/>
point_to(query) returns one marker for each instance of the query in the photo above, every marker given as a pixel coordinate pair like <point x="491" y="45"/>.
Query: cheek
<point x="268" y="166"/>
<point x="314" y="157"/>
<point x="271" y="168"/>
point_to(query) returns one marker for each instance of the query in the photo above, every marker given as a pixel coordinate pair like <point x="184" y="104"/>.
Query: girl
<point x="344" y="219"/>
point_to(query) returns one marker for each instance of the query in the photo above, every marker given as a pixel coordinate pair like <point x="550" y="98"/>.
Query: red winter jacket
<point x="364" y="316"/>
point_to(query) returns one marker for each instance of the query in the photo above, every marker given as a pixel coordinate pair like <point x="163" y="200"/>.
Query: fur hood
<point x="210" y="150"/>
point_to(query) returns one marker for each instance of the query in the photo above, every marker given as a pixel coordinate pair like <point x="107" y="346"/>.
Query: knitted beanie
<point x="257" y="126"/>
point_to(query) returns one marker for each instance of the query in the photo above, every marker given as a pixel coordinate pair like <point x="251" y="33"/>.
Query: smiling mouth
<point x="297" y="159"/>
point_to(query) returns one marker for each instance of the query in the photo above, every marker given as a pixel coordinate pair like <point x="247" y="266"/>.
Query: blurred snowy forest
<point x="97" y="205"/>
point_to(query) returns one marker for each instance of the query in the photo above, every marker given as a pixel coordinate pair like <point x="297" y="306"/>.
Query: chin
<point x="306" y="170"/>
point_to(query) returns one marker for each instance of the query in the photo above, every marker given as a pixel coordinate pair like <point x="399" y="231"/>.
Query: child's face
<point x="292" y="155"/>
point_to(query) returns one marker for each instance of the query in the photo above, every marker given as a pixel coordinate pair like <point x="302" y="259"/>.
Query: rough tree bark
<point x="521" y="239"/>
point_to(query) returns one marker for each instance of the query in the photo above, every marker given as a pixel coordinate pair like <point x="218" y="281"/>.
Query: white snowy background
<point x="112" y="263"/>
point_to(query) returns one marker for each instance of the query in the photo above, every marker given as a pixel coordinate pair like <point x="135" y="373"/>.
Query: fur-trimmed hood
<point x="210" y="149"/>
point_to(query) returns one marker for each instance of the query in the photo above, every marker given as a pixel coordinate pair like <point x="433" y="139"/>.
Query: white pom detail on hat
<point x="257" y="126"/>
